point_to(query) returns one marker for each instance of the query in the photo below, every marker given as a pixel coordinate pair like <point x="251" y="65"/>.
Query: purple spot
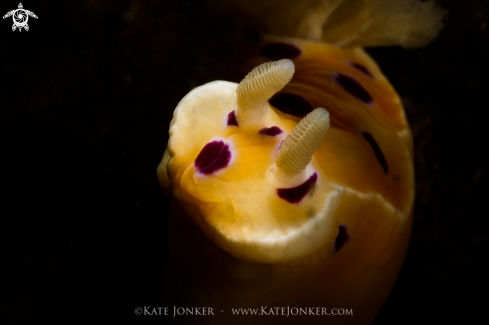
<point x="353" y="87"/>
<point x="214" y="156"/>
<point x="272" y="131"/>
<point x="232" y="119"/>
<point x="296" y="194"/>
<point x="278" y="51"/>
<point x="341" y="239"/>
<point x="361" y="68"/>
<point x="377" y="151"/>
<point x="291" y="104"/>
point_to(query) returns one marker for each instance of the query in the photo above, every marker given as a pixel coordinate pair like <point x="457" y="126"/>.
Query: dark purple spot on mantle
<point x="272" y="131"/>
<point x="296" y="194"/>
<point x="353" y="87"/>
<point x="291" y="104"/>
<point x="341" y="239"/>
<point x="361" y="68"/>
<point x="214" y="156"/>
<point x="232" y="119"/>
<point x="278" y="51"/>
<point x="377" y="151"/>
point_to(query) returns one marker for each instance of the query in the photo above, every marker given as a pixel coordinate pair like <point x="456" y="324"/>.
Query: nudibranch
<point x="327" y="197"/>
<point x="294" y="188"/>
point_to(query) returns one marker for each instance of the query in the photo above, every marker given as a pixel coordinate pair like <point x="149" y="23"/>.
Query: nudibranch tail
<point x="296" y="151"/>
<point x="345" y="23"/>
<point x="257" y="88"/>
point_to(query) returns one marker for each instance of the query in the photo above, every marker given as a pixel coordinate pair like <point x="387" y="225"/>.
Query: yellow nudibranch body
<point x="293" y="188"/>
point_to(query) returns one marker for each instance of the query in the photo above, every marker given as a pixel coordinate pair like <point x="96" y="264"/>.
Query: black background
<point x="86" y="97"/>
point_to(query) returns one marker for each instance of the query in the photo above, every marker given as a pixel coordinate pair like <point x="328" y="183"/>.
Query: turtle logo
<point x="20" y="17"/>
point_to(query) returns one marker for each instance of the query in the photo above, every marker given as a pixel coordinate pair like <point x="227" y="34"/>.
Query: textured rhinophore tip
<point x="297" y="150"/>
<point x="257" y="88"/>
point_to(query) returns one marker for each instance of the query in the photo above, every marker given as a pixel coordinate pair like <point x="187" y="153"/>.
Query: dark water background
<point x="86" y="97"/>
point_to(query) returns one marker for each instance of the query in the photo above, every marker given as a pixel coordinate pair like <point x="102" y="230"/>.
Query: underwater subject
<point x="294" y="189"/>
